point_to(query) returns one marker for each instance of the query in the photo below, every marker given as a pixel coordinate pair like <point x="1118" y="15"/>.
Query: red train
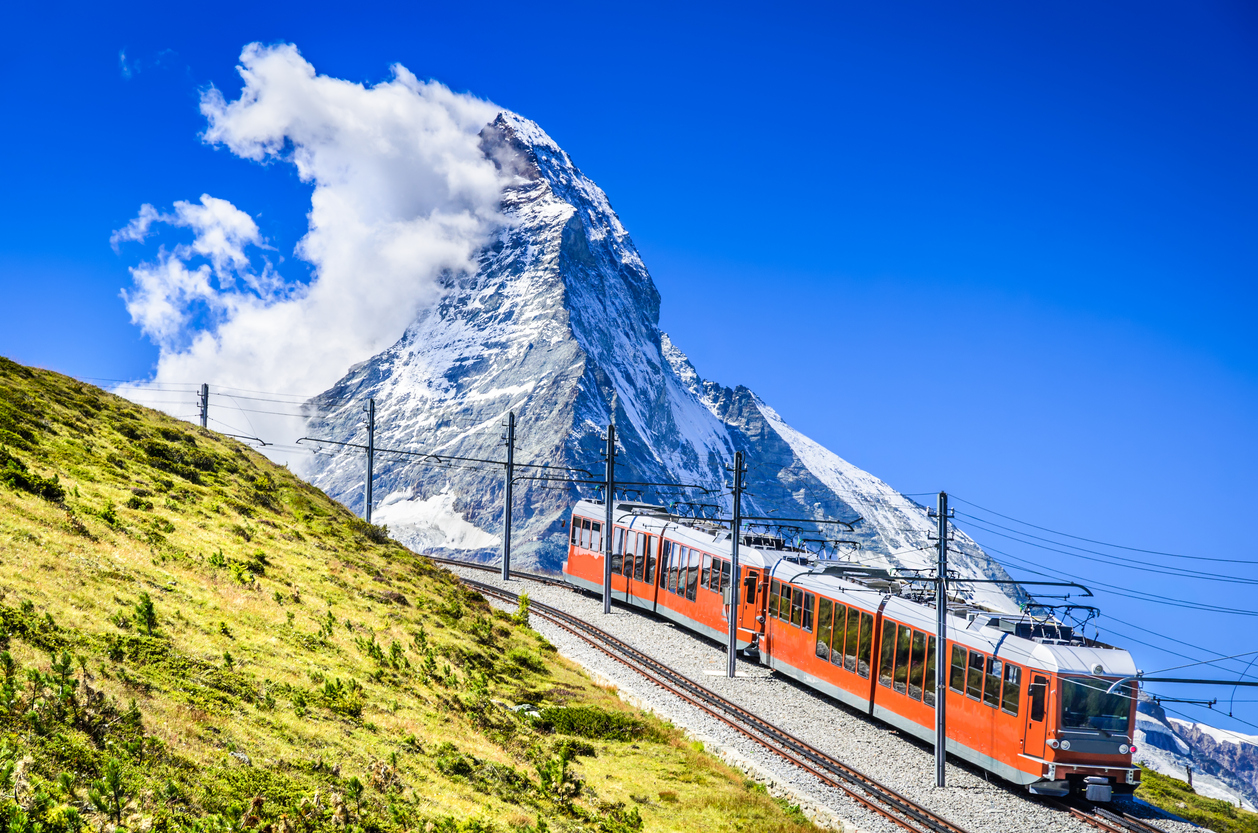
<point x="1027" y="699"/>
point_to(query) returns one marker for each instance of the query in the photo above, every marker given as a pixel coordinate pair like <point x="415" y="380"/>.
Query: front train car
<point x="1027" y="697"/>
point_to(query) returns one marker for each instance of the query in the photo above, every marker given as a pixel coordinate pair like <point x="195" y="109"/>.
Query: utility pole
<point x="371" y="450"/>
<point x="941" y="644"/>
<point x="736" y="528"/>
<point x="506" y="509"/>
<point x="205" y="404"/>
<point x="607" y="527"/>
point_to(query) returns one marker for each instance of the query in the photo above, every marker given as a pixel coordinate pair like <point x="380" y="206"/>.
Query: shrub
<point x="591" y="722"/>
<point x="15" y="475"/>
<point x="145" y="614"/>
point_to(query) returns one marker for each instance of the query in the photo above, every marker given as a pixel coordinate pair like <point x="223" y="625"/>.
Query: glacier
<point x="559" y="324"/>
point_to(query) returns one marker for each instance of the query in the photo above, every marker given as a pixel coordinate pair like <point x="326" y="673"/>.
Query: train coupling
<point x="752" y="651"/>
<point x="1097" y="788"/>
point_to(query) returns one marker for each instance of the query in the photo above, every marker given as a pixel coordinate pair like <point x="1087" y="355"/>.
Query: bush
<point x="15" y="475"/>
<point x="591" y="722"/>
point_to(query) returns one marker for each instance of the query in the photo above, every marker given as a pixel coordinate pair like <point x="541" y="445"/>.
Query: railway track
<point x="863" y="789"/>
<point x="1104" y="819"/>
<point x="486" y="568"/>
<point x="876" y="797"/>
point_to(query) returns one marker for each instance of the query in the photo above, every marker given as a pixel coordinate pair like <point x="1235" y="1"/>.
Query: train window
<point x="576" y="531"/>
<point x="904" y="639"/>
<point x="866" y="644"/>
<point x="677" y="558"/>
<point x="692" y="578"/>
<point x="639" y="558"/>
<point x="797" y="606"/>
<point x="775" y="593"/>
<point x="846" y="634"/>
<point x="825" y="618"/>
<point x="956" y="674"/>
<point x="844" y="619"/>
<point x="991" y="688"/>
<point x="928" y="687"/>
<point x="749" y="587"/>
<point x="887" y="659"/>
<point x="917" y="667"/>
<point x="808" y="606"/>
<point x="618" y="554"/>
<point x="1013" y="689"/>
<point x="705" y="575"/>
<point x="714" y="576"/>
<point x="596" y="536"/>
<point x="1037" y="691"/>
<point x="618" y="540"/>
<point x="974" y="680"/>
<point x="725" y="568"/>
<point x="651" y="544"/>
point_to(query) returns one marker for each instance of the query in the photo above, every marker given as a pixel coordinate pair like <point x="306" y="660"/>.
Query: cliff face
<point x="560" y="324"/>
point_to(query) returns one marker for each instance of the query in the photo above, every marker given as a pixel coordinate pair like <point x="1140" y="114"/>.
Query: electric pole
<point x="205" y="404"/>
<point x="736" y="527"/>
<point x="506" y="510"/>
<point x="371" y="450"/>
<point x="607" y="528"/>
<point x="941" y="644"/>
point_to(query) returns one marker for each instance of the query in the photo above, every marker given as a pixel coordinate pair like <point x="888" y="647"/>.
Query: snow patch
<point x="423" y="524"/>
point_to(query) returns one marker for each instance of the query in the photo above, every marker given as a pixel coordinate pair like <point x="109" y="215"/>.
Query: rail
<point x="865" y="790"/>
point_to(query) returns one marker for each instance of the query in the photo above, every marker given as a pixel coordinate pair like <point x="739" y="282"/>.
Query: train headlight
<point x="1065" y="746"/>
<point x="1124" y="749"/>
<point x="1054" y="744"/>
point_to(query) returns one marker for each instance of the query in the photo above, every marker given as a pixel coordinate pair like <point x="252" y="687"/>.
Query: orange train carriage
<point x="1027" y="699"/>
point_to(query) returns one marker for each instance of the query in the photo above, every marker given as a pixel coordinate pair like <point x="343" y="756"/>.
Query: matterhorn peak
<point x="559" y="324"/>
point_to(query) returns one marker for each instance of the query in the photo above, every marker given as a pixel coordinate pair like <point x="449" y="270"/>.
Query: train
<point x="1028" y="699"/>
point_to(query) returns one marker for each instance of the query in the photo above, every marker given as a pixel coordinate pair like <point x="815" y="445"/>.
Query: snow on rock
<point x="1225" y="764"/>
<point x="432" y="521"/>
<point x="560" y="324"/>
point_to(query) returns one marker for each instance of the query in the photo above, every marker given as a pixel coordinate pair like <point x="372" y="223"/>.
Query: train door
<point x="749" y="601"/>
<point x="1037" y="711"/>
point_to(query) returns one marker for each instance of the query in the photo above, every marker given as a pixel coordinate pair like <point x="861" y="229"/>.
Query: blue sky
<point x="1009" y="252"/>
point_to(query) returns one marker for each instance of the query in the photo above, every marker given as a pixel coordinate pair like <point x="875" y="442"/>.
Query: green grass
<point x="191" y="638"/>
<point x="1177" y="797"/>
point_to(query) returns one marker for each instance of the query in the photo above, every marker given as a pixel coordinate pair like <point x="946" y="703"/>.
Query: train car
<point x="677" y="569"/>
<point x="1027" y="698"/>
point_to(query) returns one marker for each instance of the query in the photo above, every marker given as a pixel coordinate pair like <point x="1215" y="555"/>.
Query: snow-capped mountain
<point x="1224" y="764"/>
<point x="560" y="324"/>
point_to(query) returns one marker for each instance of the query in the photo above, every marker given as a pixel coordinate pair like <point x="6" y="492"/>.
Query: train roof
<point x="709" y="536"/>
<point x="1023" y="639"/>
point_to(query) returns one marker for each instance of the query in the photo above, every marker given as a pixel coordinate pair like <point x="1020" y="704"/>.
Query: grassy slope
<point x="303" y="672"/>
<point x="1177" y="797"/>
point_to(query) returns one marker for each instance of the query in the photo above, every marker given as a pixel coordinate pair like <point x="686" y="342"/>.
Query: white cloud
<point x="401" y="194"/>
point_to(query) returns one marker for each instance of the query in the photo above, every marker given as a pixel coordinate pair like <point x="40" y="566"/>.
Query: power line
<point x="1105" y="558"/>
<point x="1094" y="552"/>
<point x="1102" y="543"/>
<point x="1139" y="595"/>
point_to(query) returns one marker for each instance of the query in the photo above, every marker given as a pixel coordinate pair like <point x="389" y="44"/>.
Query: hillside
<point x="195" y="639"/>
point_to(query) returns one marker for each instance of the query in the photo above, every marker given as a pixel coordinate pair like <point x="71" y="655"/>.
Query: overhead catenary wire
<point x="1139" y="595"/>
<point x="1118" y="561"/>
<point x="1103" y="543"/>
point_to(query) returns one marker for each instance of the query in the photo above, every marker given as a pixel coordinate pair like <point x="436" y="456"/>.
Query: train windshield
<point x="1085" y="705"/>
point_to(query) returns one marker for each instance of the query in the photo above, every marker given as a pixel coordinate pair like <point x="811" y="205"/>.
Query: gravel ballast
<point x="972" y="800"/>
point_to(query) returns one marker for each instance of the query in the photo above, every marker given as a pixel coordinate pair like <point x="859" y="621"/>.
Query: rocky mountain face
<point x="1224" y="764"/>
<point x="560" y="325"/>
